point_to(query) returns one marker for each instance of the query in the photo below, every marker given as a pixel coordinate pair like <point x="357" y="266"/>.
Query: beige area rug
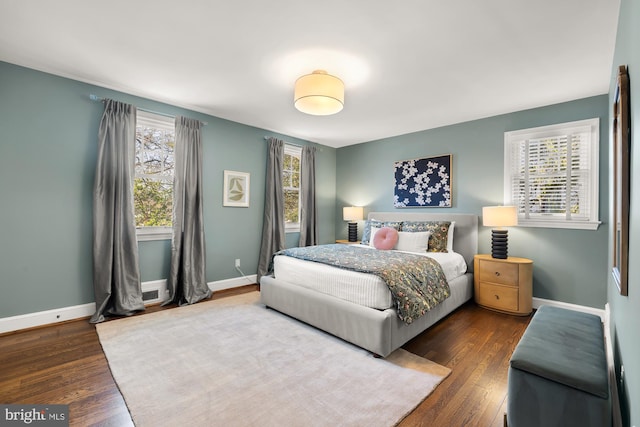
<point x="233" y="362"/>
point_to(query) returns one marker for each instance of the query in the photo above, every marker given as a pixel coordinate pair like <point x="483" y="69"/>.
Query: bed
<point x="378" y="330"/>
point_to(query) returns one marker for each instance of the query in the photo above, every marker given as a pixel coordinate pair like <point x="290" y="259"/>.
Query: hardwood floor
<point x="476" y="344"/>
<point x="64" y="364"/>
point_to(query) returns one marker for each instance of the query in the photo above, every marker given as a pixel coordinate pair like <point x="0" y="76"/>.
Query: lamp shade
<point x="319" y="94"/>
<point x="499" y="216"/>
<point x="352" y="213"/>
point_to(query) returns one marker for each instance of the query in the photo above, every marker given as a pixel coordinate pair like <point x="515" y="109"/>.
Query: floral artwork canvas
<point x="423" y="182"/>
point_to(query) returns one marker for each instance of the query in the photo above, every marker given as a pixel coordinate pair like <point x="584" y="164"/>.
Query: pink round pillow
<point x="385" y="238"/>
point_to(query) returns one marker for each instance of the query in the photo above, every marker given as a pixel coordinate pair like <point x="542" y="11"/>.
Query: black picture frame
<point x="621" y="180"/>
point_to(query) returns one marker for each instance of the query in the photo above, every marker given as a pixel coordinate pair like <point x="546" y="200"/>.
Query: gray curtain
<point x="187" y="283"/>
<point x="308" y="209"/>
<point x="273" y="225"/>
<point x="116" y="275"/>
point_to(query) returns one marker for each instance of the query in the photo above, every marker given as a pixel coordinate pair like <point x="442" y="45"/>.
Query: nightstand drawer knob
<point x="497" y="273"/>
<point x="497" y="296"/>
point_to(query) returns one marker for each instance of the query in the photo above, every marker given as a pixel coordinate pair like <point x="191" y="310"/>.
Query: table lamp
<point x="352" y="214"/>
<point x="498" y="217"/>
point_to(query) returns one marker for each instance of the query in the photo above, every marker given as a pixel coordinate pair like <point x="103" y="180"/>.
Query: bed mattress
<point x="359" y="288"/>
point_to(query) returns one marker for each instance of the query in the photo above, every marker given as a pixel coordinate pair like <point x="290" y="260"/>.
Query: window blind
<point x="551" y="174"/>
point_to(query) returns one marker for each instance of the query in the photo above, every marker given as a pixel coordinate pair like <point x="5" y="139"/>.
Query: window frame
<point x="590" y="127"/>
<point x="296" y="151"/>
<point x="147" y="233"/>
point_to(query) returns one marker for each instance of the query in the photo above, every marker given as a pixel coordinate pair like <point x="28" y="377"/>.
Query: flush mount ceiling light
<point x="319" y="94"/>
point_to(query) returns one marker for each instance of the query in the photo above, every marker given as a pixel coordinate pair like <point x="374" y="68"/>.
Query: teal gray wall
<point x="48" y="131"/>
<point x="569" y="265"/>
<point x="48" y="139"/>
<point x="625" y="311"/>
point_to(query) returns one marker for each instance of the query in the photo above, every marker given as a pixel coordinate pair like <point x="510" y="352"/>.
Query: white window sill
<point x="572" y="225"/>
<point x="292" y="227"/>
<point x="154" y="233"/>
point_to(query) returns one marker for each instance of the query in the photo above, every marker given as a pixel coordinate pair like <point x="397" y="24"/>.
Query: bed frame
<point x="379" y="331"/>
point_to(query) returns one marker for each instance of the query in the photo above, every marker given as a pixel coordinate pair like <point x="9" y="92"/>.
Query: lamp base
<point x="499" y="244"/>
<point x="353" y="231"/>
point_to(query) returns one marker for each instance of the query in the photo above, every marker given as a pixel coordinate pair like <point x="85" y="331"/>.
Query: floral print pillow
<point x="366" y="233"/>
<point x="439" y="232"/>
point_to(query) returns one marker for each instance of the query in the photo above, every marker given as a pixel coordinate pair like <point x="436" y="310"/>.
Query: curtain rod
<point x="319" y="148"/>
<point x="101" y="99"/>
<point x="266" y="138"/>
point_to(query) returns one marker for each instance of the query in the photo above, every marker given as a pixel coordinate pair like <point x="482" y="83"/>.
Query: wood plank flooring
<point x="64" y="364"/>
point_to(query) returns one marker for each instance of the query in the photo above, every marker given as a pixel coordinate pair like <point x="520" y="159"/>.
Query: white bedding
<point x="359" y="288"/>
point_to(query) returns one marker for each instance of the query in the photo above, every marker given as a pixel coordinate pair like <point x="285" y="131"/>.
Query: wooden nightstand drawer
<point x="498" y="297"/>
<point x="499" y="272"/>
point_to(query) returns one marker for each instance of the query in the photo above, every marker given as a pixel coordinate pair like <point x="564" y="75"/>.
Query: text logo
<point x="34" y="415"/>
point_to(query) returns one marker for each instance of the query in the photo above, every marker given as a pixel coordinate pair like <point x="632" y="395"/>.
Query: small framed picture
<point x="236" y="189"/>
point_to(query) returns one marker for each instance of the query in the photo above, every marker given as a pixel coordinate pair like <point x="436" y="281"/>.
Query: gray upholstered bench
<point x="558" y="372"/>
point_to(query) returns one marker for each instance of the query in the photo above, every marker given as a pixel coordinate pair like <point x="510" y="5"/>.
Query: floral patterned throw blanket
<point x="417" y="283"/>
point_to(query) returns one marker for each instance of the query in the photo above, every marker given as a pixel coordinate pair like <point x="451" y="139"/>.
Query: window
<point x="551" y="175"/>
<point x="291" y="187"/>
<point x="153" y="181"/>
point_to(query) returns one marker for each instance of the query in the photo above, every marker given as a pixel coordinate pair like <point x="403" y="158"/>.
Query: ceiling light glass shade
<point x="499" y="216"/>
<point x="319" y="94"/>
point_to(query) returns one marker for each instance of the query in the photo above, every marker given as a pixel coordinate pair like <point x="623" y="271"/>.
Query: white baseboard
<point x="48" y="317"/>
<point x="57" y="315"/>
<point x="235" y="282"/>
<point x="539" y="302"/>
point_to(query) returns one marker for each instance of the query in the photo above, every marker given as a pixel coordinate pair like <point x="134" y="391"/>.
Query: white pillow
<point x="450" y="237"/>
<point x="413" y="242"/>
<point x="372" y="233"/>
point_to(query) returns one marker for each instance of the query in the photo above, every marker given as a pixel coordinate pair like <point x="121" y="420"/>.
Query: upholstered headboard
<point x="465" y="232"/>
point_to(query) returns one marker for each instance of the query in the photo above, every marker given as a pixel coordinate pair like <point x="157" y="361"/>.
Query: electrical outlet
<point x="237" y="262"/>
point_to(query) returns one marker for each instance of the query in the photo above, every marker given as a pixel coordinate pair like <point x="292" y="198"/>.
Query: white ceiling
<point x="407" y="65"/>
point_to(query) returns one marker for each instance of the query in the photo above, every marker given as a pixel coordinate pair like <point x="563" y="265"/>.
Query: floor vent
<point x="149" y="295"/>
